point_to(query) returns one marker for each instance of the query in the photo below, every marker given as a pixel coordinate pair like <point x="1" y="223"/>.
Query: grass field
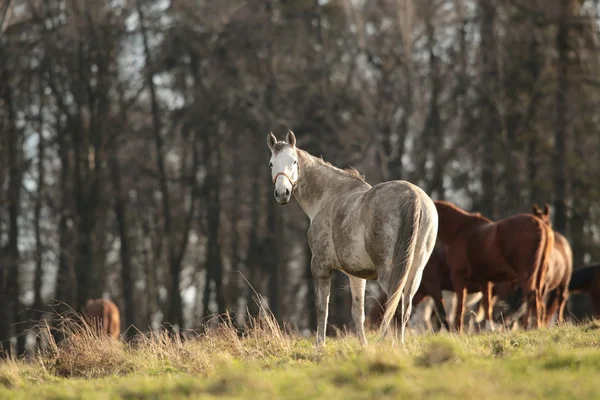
<point x="561" y="362"/>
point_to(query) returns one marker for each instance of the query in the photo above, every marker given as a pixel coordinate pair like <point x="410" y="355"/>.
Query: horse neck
<point x="454" y="222"/>
<point x="318" y="183"/>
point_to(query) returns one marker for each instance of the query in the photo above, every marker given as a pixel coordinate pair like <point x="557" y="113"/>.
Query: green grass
<point x="562" y="362"/>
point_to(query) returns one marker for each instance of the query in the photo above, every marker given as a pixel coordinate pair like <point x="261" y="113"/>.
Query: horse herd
<point x="415" y="248"/>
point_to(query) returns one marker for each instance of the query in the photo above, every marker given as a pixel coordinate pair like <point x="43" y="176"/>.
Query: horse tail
<point x="543" y="254"/>
<point x="115" y="322"/>
<point x="404" y="252"/>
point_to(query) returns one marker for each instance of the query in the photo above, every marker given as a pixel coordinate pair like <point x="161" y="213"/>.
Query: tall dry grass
<point x="87" y="353"/>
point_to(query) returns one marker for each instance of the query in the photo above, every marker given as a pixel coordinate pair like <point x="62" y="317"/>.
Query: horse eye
<point x="295" y="162"/>
<point x="271" y="164"/>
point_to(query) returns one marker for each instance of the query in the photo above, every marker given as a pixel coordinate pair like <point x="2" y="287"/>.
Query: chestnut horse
<point x="560" y="268"/>
<point x="479" y="251"/>
<point x="587" y="280"/>
<point x="436" y="277"/>
<point x="103" y="315"/>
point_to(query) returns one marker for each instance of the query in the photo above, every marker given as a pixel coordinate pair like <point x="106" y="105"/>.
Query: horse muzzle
<point x="282" y="196"/>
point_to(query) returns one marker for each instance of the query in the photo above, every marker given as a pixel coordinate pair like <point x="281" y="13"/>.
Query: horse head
<point x="544" y="214"/>
<point x="284" y="166"/>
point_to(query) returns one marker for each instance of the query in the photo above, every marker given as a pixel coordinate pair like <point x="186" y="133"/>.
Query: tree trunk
<point x="66" y="282"/>
<point x="254" y="265"/>
<point x="12" y="306"/>
<point x="127" y="279"/>
<point x="273" y="259"/>
<point x="38" y="303"/>
<point x="489" y="115"/>
<point x="560" y="131"/>
<point x="212" y="185"/>
<point x="235" y="283"/>
<point x="39" y="246"/>
<point x="433" y="128"/>
<point x="532" y="138"/>
<point x="174" y="315"/>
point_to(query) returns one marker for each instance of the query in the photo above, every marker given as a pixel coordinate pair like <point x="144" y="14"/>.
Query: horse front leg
<point x="322" y="277"/>
<point x="357" y="288"/>
<point x="461" y="302"/>
<point x="486" y="300"/>
<point x="460" y="287"/>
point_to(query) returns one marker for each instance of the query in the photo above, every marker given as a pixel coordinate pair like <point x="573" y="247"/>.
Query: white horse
<point x="385" y="232"/>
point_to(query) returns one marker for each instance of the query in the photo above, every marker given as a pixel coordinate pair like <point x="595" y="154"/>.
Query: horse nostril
<point x="276" y="194"/>
<point x="287" y="192"/>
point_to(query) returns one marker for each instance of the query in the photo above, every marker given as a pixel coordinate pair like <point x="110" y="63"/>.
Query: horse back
<point x="505" y="250"/>
<point x="362" y="226"/>
<point x="104" y="315"/>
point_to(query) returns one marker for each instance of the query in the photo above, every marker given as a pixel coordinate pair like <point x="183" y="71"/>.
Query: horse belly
<point x="493" y="272"/>
<point x="357" y="262"/>
<point x="487" y="263"/>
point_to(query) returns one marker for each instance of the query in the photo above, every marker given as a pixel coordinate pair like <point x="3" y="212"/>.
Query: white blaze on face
<point x="284" y="166"/>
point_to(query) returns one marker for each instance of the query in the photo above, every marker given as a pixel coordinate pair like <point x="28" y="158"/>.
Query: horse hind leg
<point x="540" y="307"/>
<point x="553" y="304"/>
<point x="357" y="288"/>
<point x="440" y="311"/>
<point x="423" y="251"/>
<point x="563" y="297"/>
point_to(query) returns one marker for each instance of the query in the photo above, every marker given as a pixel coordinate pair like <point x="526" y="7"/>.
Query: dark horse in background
<point x="481" y="252"/>
<point x="587" y="280"/>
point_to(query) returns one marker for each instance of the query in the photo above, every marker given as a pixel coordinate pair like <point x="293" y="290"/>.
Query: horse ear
<point x="546" y="209"/>
<point x="535" y="209"/>
<point x="271" y="141"/>
<point x="291" y="138"/>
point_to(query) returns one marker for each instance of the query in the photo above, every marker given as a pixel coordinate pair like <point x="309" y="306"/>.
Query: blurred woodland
<point x="133" y="156"/>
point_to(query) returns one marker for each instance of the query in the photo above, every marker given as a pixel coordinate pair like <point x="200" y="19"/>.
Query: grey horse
<point x="385" y="232"/>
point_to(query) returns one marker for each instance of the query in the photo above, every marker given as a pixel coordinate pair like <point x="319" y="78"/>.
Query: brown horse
<point x="436" y="277"/>
<point x="587" y="280"/>
<point x="103" y="315"/>
<point x="560" y="268"/>
<point x="479" y="251"/>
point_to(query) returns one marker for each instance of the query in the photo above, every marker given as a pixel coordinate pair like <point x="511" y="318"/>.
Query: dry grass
<point x="267" y="362"/>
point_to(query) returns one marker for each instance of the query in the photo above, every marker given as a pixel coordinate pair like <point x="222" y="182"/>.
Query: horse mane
<point x="349" y="172"/>
<point x="353" y="172"/>
<point x="453" y="207"/>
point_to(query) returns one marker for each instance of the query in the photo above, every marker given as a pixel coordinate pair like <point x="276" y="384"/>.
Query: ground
<point x="561" y="362"/>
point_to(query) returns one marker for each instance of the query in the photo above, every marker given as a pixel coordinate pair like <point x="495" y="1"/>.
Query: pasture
<point x="559" y="362"/>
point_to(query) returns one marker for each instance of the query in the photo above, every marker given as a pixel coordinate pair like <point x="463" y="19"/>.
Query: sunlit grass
<point x="268" y="363"/>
